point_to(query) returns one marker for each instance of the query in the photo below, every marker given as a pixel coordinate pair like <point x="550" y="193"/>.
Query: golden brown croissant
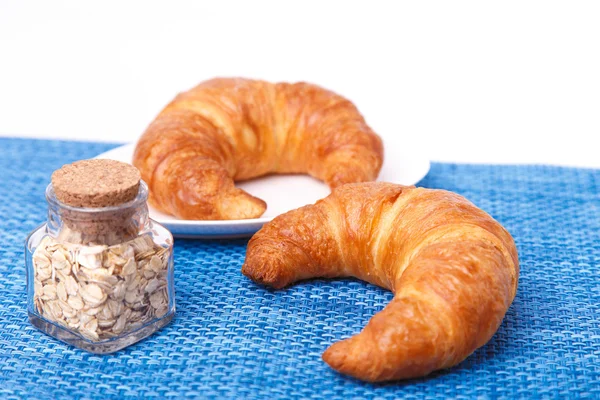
<point x="235" y="129"/>
<point x="452" y="268"/>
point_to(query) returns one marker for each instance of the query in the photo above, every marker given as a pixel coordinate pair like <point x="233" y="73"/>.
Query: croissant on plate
<point x="233" y="129"/>
<point x="452" y="268"/>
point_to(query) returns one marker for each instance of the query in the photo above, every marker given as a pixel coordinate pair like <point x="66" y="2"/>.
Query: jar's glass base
<point x="103" y="347"/>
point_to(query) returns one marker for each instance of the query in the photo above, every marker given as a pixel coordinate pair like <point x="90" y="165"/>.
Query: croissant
<point x="452" y="268"/>
<point x="233" y="129"/>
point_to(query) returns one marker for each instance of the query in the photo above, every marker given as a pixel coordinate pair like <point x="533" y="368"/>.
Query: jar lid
<point x="96" y="183"/>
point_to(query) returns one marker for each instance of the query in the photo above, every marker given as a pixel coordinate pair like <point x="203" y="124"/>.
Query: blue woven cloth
<point x="234" y="339"/>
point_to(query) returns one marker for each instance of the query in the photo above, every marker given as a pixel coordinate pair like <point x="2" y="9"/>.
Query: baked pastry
<point x="228" y="129"/>
<point x="453" y="270"/>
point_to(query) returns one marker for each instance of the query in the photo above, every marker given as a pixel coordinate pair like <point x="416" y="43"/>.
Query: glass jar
<point x="100" y="279"/>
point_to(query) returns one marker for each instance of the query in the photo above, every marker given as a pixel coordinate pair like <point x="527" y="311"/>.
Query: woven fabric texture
<point x="234" y="339"/>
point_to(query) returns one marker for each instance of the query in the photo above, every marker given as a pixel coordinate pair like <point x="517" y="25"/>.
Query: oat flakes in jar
<point x="99" y="271"/>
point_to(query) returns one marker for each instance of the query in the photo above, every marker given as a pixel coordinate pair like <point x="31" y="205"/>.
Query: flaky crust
<point x="233" y="129"/>
<point x="452" y="268"/>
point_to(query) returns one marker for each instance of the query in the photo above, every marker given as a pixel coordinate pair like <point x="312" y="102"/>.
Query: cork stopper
<point x="96" y="183"/>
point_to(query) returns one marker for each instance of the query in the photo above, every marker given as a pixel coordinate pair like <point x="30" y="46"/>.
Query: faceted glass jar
<point x="100" y="279"/>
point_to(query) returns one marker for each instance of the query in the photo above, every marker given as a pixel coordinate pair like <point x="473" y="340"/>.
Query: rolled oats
<point x="101" y="291"/>
<point x="61" y="291"/>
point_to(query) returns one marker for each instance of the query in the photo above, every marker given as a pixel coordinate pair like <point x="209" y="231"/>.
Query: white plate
<point x="281" y="192"/>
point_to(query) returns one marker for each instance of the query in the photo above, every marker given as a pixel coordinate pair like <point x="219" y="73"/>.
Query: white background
<point x="466" y="81"/>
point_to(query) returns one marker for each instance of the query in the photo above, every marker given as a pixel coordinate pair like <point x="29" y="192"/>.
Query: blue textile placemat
<point x="234" y="339"/>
